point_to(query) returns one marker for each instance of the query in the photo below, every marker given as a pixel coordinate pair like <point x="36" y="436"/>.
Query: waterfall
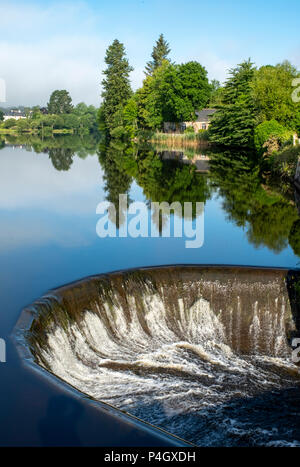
<point x="172" y="346"/>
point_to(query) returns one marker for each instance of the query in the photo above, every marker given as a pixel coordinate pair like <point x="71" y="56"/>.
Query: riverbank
<point x="283" y="166"/>
<point x="181" y="140"/>
<point x="10" y="131"/>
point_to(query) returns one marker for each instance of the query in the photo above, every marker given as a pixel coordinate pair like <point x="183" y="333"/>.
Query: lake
<point x="50" y="190"/>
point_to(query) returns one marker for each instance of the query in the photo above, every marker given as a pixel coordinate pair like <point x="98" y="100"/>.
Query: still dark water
<point x="49" y="194"/>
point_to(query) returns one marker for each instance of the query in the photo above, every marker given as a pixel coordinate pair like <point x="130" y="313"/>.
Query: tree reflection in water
<point x="269" y="218"/>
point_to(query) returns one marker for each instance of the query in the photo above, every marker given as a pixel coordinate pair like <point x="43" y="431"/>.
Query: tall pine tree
<point x="160" y="53"/>
<point x="116" y="84"/>
<point x="233" y="123"/>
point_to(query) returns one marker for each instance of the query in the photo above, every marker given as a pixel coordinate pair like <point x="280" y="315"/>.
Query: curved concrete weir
<point x="201" y="352"/>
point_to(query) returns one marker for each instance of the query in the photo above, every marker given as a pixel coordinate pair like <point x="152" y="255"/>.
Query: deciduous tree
<point x="272" y="94"/>
<point x="60" y="103"/>
<point x="172" y="94"/>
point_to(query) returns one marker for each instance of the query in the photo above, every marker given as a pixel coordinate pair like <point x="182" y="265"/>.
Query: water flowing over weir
<point x="204" y="353"/>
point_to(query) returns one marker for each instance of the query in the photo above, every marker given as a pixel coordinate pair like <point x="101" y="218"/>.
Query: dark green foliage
<point x="150" y="112"/>
<point x="185" y="89"/>
<point x="283" y="166"/>
<point x="195" y="90"/>
<point x="172" y="94"/>
<point x="61" y="158"/>
<point x="1" y="116"/>
<point x="161" y="180"/>
<point x="60" y="103"/>
<point x="169" y="180"/>
<point x="160" y="53"/>
<point x="233" y="124"/>
<point x="125" y="122"/>
<point x="117" y="180"/>
<point x="116" y="84"/>
<point x="101" y="121"/>
<point x="248" y="204"/>
<point x="166" y="180"/>
<point x="294" y="238"/>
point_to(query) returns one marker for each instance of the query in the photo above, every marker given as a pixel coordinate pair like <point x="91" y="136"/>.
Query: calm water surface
<point x="49" y="194"/>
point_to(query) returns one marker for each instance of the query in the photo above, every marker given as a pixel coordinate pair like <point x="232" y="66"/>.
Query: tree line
<point x="254" y="107"/>
<point x="236" y="178"/>
<point x="170" y="92"/>
<point x="60" y="115"/>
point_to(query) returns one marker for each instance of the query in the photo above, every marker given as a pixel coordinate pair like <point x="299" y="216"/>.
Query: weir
<point x="187" y="349"/>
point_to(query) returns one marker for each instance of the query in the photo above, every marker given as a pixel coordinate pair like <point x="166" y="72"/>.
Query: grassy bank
<point x="180" y="140"/>
<point x="11" y="131"/>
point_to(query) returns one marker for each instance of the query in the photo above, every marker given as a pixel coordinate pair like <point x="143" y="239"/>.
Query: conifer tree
<point x="233" y="124"/>
<point x="116" y="84"/>
<point x="160" y="53"/>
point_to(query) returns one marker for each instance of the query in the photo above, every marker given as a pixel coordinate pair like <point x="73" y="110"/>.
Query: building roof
<point x="205" y="114"/>
<point x="13" y="113"/>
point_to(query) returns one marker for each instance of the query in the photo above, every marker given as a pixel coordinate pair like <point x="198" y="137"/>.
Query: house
<point x="16" y="114"/>
<point x="202" y="122"/>
<point x="200" y="161"/>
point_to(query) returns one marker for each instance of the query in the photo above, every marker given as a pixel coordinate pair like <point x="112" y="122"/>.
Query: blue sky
<point x="45" y="45"/>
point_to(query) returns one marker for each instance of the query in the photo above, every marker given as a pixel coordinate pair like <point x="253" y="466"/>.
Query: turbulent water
<point x="202" y="354"/>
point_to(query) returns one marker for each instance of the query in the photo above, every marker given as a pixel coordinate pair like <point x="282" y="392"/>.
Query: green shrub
<point x="23" y="125"/>
<point x="284" y="162"/>
<point x="10" y="123"/>
<point x="270" y="129"/>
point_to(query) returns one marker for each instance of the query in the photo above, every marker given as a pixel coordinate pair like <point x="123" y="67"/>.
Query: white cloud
<point x="40" y="205"/>
<point x="29" y="231"/>
<point x="33" y="71"/>
<point x="62" y="46"/>
<point x="29" y="181"/>
<point x="30" y="20"/>
<point x="50" y="48"/>
<point x="217" y="67"/>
